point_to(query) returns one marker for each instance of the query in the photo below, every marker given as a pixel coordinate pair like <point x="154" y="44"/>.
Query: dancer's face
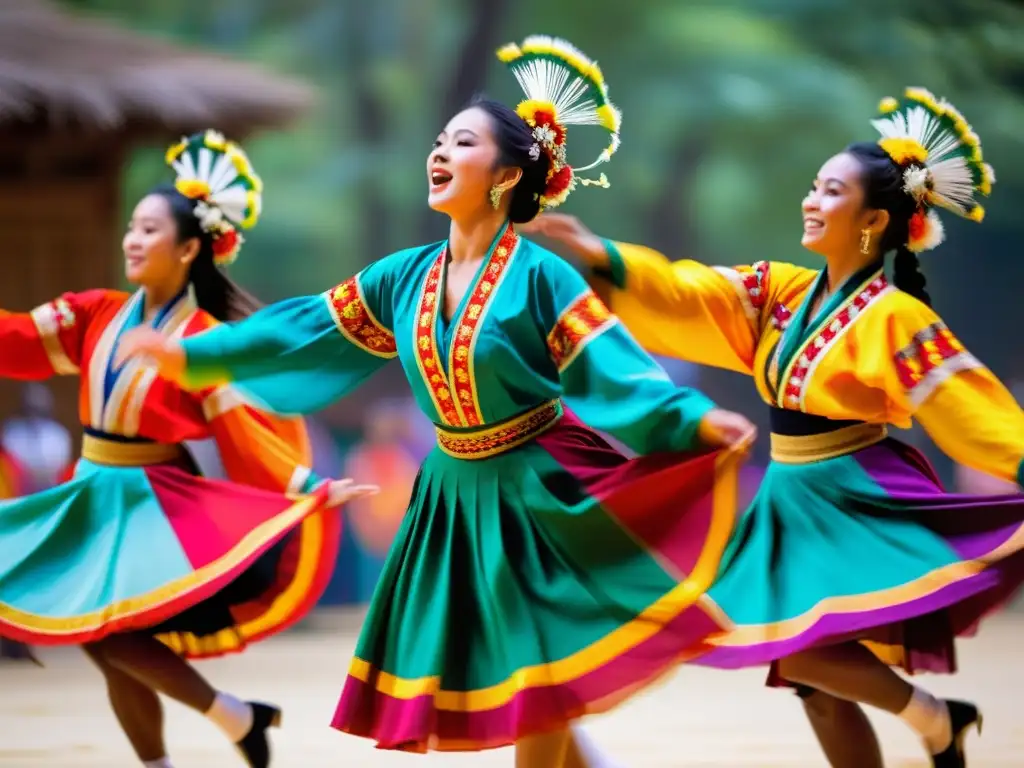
<point x="153" y="255"/>
<point x="462" y="167"/>
<point x="834" y="214"/>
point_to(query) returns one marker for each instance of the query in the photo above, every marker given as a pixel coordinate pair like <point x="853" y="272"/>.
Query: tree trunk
<point x="371" y="128"/>
<point x="672" y="229"/>
<point x="469" y="78"/>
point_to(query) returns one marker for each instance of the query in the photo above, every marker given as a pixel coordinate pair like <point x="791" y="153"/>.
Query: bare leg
<point x="851" y="672"/>
<point x="157" y="667"/>
<point x="843" y="731"/>
<point x="136" y="707"/>
<point x="546" y="750"/>
<point x="574" y="755"/>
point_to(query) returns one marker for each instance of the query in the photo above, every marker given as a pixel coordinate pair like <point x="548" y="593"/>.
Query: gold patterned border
<point x="482" y="443"/>
<point x="460" y="355"/>
<point x="50" y="319"/>
<point x="425" y="344"/>
<point x="356" y="322"/>
<point x="583" y="320"/>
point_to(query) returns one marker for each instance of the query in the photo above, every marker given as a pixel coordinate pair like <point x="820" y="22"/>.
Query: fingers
<point x="345" y="490"/>
<point x="363" y="490"/>
<point x="133" y="343"/>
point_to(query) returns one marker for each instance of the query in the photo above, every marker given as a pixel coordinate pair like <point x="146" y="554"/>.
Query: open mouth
<point x="813" y="225"/>
<point x="438" y="178"/>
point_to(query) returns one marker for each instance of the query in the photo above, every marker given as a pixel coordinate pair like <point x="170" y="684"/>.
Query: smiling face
<point x="462" y="167"/>
<point x="153" y="256"/>
<point x="834" y="213"/>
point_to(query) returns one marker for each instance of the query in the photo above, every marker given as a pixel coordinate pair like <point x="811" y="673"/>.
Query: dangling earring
<point x="865" y="241"/>
<point x="496" y="193"/>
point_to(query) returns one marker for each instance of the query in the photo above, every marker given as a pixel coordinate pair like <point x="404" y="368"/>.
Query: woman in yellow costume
<point x="852" y="559"/>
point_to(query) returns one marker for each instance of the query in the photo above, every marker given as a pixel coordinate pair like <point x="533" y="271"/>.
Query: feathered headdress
<point x="217" y="174"/>
<point x="941" y="160"/>
<point x="563" y="87"/>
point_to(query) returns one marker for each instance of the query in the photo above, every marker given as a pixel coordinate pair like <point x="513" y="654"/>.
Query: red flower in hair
<point x="225" y="244"/>
<point x="560" y="181"/>
<point x="542" y="117"/>
<point x="558" y="131"/>
<point x="918" y="225"/>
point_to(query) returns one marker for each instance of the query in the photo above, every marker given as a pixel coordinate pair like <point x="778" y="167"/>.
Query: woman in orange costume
<point x="156" y="564"/>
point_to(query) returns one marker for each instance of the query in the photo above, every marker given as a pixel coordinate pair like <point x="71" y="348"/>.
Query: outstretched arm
<point x="616" y="387"/>
<point x="684" y="309"/>
<point x="294" y="357"/>
<point x="48" y="340"/>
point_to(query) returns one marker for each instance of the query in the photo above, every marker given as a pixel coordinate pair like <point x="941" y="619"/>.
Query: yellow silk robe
<point x="872" y="353"/>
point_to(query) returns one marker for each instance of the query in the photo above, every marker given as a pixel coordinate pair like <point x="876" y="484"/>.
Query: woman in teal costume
<point x="538" y="574"/>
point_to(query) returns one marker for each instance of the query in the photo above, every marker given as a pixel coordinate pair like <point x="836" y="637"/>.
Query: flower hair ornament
<point x="563" y="87"/>
<point x="941" y="160"/>
<point x="217" y="174"/>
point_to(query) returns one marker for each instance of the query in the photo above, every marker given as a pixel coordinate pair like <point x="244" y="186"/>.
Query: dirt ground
<point x="57" y="716"/>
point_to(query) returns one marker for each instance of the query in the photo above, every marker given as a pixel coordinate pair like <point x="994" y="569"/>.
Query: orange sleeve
<point x="256" y="448"/>
<point x="48" y="340"/>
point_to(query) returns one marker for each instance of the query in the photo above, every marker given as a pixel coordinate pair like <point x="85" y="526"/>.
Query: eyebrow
<point x="833" y="180"/>
<point x="460" y="131"/>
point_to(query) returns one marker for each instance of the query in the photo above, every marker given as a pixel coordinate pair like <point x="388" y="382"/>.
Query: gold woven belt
<point x="490" y="441"/>
<point x="804" y="449"/>
<point x="115" y="453"/>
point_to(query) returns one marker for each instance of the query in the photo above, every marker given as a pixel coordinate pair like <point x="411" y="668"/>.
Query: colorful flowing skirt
<point x="864" y="546"/>
<point x="533" y="586"/>
<point x="207" y="566"/>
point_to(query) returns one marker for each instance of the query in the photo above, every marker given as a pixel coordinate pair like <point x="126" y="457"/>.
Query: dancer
<point x="536" y="576"/>
<point x="852" y="555"/>
<point x="136" y="557"/>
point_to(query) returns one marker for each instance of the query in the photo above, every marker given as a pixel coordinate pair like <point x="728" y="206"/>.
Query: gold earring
<point x="865" y="241"/>
<point x="496" y="193"/>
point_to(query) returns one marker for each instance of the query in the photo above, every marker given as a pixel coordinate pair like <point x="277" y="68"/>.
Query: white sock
<point x="232" y="716"/>
<point x="163" y="762"/>
<point x="592" y="754"/>
<point x="929" y="716"/>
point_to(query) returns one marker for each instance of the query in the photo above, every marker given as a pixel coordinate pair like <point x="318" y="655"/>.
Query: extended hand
<point x="343" y="491"/>
<point x="570" y="232"/>
<point x="725" y="429"/>
<point x="166" y="353"/>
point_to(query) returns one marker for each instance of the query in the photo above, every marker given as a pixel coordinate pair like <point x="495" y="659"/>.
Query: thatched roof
<point x="64" y="69"/>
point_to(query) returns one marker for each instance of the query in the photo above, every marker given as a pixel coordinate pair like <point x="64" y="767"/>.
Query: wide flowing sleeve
<point x="607" y="379"/>
<point x="48" y="340"/>
<point x="965" y="409"/>
<point x="300" y="355"/>
<point x="688" y="310"/>
<point x="257" y="448"/>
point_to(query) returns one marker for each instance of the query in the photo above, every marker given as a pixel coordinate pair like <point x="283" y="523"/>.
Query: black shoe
<point x="962" y="716"/>
<point x="17" y="652"/>
<point x="255" y="747"/>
